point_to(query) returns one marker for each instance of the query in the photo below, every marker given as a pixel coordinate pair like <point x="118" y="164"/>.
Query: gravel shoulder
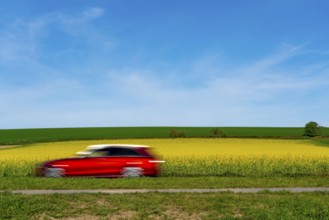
<point x="129" y="191"/>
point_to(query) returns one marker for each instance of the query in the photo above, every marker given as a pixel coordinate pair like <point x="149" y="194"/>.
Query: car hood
<point x="58" y="161"/>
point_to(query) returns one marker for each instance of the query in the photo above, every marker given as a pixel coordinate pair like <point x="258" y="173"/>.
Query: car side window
<point x="122" y="152"/>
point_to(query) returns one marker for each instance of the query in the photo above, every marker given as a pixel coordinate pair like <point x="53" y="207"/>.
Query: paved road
<point x="127" y="191"/>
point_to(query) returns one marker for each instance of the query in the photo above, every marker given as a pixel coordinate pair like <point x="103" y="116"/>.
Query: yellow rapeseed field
<point x="176" y="147"/>
<point x="193" y="157"/>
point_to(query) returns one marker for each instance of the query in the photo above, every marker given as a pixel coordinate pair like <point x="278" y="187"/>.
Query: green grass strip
<point x="12" y="183"/>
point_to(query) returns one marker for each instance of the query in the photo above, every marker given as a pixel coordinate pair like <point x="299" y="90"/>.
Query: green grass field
<point x="23" y="136"/>
<point x="166" y="206"/>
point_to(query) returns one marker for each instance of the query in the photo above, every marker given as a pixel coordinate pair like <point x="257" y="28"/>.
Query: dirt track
<point x="7" y="146"/>
<point x="128" y="191"/>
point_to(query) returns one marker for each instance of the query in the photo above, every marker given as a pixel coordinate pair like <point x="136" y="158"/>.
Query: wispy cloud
<point x="21" y="36"/>
<point x="242" y="95"/>
<point x="85" y="16"/>
<point x="28" y="47"/>
<point x="263" y="65"/>
<point x="47" y="85"/>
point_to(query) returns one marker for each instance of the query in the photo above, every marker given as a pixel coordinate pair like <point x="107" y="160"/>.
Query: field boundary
<point x="132" y="191"/>
<point x="43" y="135"/>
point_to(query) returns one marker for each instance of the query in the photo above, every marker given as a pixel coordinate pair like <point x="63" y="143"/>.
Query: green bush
<point x="216" y="133"/>
<point x="312" y="129"/>
<point x="176" y="134"/>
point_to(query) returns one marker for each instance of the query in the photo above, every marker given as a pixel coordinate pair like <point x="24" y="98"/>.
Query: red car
<point x="105" y="160"/>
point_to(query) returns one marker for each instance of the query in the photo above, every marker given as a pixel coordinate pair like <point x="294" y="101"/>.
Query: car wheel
<point x="54" y="172"/>
<point x="132" y="172"/>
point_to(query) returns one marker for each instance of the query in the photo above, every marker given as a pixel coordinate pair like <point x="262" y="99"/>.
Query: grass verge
<point x="166" y="206"/>
<point x="11" y="183"/>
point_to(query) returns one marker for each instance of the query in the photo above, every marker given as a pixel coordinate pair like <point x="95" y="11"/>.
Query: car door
<point x="116" y="159"/>
<point x="97" y="163"/>
<point x="127" y="158"/>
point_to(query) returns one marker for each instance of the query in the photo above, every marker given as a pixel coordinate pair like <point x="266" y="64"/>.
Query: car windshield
<point x="84" y="153"/>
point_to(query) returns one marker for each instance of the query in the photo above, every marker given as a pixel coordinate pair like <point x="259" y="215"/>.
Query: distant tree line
<point x="311" y="129"/>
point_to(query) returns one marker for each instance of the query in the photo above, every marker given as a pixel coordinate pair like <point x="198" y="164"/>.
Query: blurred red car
<point x="105" y="160"/>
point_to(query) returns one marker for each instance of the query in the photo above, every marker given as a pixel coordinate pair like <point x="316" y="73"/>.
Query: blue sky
<point x="90" y="63"/>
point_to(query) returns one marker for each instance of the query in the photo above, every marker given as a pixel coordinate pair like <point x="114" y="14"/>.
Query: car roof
<point x="101" y="146"/>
